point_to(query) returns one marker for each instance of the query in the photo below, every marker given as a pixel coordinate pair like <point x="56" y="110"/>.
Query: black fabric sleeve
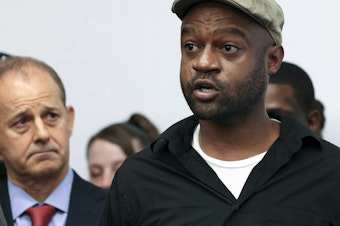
<point x="116" y="211"/>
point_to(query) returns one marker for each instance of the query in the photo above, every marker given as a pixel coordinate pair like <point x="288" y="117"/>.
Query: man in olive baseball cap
<point x="266" y="12"/>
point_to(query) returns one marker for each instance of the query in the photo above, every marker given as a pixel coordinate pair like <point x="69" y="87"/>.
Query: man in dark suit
<point x="35" y="127"/>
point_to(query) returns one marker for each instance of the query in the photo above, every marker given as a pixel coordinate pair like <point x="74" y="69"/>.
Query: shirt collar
<point x="294" y="133"/>
<point x="179" y="135"/>
<point x="21" y="200"/>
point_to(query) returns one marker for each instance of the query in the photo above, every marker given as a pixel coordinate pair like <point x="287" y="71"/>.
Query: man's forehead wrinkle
<point x="188" y="29"/>
<point x="24" y="101"/>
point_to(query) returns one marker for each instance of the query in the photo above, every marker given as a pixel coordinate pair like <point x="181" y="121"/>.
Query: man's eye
<point x="52" y="116"/>
<point x="21" y="122"/>
<point x="230" y="48"/>
<point x="190" y="47"/>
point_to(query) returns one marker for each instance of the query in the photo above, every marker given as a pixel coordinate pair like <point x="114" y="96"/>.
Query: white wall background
<point x="119" y="57"/>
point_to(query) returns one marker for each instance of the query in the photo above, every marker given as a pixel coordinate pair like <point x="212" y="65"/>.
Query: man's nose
<point x="41" y="131"/>
<point x="207" y="60"/>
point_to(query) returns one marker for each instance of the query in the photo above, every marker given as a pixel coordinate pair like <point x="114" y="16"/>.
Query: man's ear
<point x="275" y="56"/>
<point x="314" y="121"/>
<point x="71" y="115"/>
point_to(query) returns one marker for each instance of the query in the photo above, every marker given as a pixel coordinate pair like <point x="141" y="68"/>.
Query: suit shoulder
<point x="91" y="189"/>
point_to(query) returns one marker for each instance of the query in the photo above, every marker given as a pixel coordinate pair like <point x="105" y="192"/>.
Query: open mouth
<point x="205" y="90"/>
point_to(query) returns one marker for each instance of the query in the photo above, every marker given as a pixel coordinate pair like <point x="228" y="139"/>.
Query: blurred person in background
<point x="108" y="148"/>
<point x="291" y="91"/>
<point x="318" y="105"/>
<point x="142" y="122"/>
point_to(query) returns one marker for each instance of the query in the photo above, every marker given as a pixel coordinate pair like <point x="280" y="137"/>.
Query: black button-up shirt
<point x="296" y="184"/>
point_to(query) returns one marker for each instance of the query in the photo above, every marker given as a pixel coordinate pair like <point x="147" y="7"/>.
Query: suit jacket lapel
<point x="86" y="204"/>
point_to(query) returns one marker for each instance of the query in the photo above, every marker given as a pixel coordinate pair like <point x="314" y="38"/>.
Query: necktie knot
<point x="40" y="215"/>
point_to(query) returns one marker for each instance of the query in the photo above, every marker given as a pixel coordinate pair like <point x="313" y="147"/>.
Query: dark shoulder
<point x="87" y="203"/>
<point x="330" y="148"/>
<point x="328" y="159"/>
<point x="79" y="184"/>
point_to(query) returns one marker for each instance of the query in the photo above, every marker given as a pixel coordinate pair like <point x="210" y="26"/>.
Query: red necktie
<point x="40" y="215"/>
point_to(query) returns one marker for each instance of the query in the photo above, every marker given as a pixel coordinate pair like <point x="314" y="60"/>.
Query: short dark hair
<point x="299" y="80"/>
<point x="17" y="63"/>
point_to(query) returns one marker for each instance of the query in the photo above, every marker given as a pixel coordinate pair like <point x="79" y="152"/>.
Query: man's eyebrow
<point x="188" y="30"/>
<point x="18" y="115"/>
<point x="47" y="108"/>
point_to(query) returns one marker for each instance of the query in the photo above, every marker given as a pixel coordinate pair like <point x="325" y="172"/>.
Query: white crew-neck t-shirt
<point x="233" y="174"/>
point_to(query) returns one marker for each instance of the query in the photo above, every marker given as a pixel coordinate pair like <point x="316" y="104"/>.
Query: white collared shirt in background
<point x="60" y="198"/>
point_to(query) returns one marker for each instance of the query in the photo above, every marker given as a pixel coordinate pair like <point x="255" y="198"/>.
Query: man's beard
<point x="234" y="100"/>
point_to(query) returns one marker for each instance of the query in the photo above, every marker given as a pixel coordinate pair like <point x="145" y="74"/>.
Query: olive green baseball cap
<point x="267" y="13"/>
